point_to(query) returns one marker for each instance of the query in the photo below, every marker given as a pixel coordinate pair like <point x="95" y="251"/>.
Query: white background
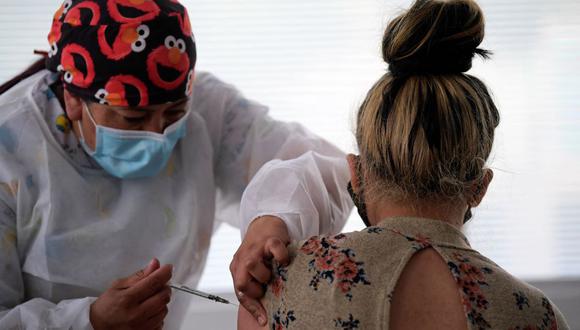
<point x="313" y="61"/>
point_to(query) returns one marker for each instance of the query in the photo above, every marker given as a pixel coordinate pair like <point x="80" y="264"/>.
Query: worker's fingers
<point x="234" y="265"/>
<point x="258" y="270"/>
<point x="156" y="321"/>
<point x="254" y="307"/>
<point x="244" y="283"/>
<point x="275" y="248"/>
<point x="248" y="270"/>
<point x="160" y="327"/>
<point x="155" y="303"/>
<point x="151" y="284"/>
<point x="137" y="276"/>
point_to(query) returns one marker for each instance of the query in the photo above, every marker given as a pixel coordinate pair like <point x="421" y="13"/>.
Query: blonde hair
<point x="426" y="129"/>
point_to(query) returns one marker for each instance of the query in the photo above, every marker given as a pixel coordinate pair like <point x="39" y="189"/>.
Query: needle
<point x="202" y="294"/>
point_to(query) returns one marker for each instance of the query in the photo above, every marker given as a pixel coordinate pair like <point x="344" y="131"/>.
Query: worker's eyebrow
<point x="132" y="110"/>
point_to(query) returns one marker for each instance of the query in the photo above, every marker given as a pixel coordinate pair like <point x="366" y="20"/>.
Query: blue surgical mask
<point x="128" y="154"/>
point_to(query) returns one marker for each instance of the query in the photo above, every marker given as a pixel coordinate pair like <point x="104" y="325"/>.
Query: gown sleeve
<point x="16" y="312"/>
<point x="275" y="168"/>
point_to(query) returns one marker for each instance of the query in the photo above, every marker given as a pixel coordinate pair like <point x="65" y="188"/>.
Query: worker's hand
<point x="265" y="239"/>
<point x="136" y="302"/>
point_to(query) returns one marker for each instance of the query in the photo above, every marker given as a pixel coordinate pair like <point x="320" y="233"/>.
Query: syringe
<point x="202" y="294"/>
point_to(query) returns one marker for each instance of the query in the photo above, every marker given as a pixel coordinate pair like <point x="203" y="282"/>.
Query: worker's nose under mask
<point x="128" y="154"/>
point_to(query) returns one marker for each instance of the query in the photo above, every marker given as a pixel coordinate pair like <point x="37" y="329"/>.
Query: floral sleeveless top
<point x="347" y="281"/>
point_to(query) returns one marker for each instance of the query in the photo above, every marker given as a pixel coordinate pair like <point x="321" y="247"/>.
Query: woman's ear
<point x="353" y="166"/>
<point x="481" y="189"/>
<point x="73" y="106"/>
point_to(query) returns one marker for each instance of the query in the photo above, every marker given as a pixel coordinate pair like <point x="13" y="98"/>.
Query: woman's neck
<point x="451" y="212"/>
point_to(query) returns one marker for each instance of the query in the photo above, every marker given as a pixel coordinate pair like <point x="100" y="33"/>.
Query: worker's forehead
<point x="179" y="104"/>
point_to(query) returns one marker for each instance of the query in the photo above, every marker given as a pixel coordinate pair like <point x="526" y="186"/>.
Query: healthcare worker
<point x="120" y="152"/>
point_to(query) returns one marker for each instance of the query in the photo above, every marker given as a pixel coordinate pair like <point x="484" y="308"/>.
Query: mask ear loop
<point x="86" y="108"/>
<point x="357" y="197"/>
<point x="468" y="215"/>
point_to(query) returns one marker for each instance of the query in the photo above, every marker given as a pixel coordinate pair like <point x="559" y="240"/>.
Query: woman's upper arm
<point x="247" y="322"/>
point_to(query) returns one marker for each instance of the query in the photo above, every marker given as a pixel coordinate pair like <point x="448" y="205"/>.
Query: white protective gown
<point x="68" y="229"/>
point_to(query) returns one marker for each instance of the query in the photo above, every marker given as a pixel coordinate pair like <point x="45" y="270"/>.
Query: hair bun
<point x="434" y="37"/>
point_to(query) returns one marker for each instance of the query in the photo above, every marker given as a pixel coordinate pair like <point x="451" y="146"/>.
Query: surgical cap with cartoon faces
<point x="123" y="52"/>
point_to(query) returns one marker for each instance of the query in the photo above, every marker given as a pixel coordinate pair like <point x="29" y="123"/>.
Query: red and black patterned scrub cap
<point x="123" y="52"/>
